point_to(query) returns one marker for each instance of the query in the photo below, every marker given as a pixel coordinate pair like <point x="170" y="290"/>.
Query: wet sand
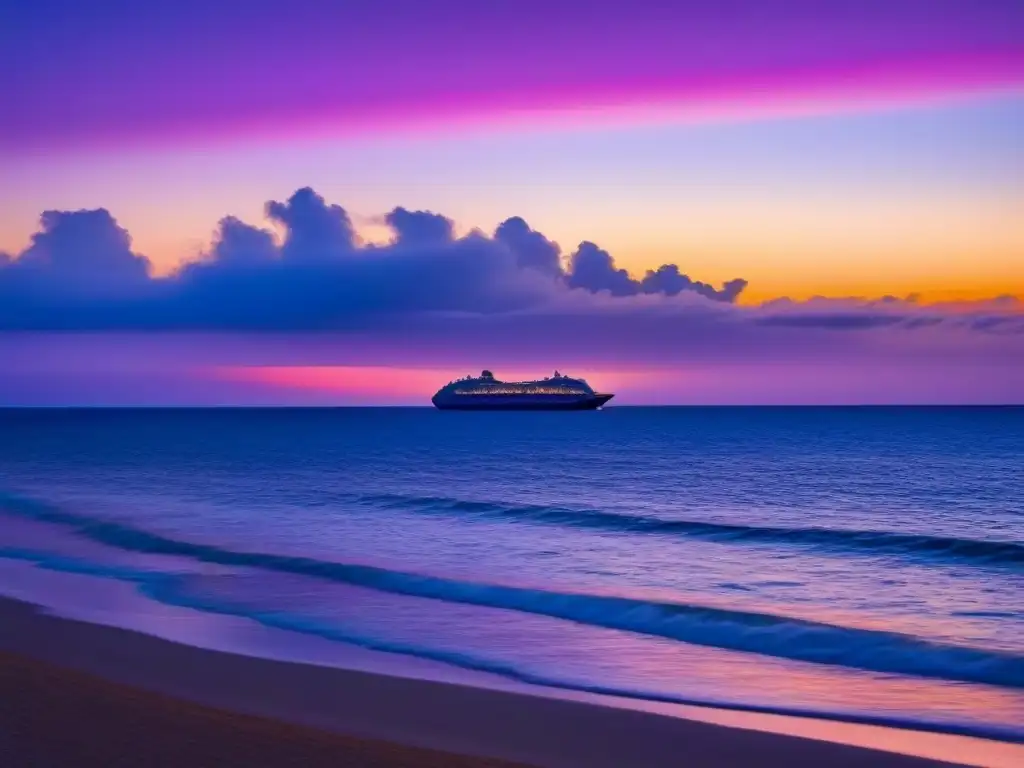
<point x="79" y="694"/>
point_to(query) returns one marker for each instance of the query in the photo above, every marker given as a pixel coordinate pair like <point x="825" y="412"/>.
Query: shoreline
<point x="177" y="686"/>
<point x="859" y="727"/>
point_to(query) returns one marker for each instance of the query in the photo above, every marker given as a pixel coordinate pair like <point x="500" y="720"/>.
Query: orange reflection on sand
<point x="964" y="750"/>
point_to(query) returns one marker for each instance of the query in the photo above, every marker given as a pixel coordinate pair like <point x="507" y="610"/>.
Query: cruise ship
<point x="486" y="393"/>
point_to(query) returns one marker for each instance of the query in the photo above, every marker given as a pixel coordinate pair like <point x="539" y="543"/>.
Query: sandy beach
<point x="52" y="716"/>
<point x="74" y="693"/>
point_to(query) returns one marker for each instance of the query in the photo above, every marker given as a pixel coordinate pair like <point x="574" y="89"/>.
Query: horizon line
<point x="227" y="407"/>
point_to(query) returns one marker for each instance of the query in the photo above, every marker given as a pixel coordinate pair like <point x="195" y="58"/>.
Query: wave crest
<point x="762" y="633"/>
<point x="976" y="551"/>
<point x="174" y="590"/>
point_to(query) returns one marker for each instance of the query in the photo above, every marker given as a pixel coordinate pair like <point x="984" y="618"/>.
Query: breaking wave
<point x="174" y="589"/>
<point x="761" y="633"/>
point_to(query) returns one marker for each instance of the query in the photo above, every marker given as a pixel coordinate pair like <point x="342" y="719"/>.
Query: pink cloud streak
<point x="591" y="103"/>
<point x="781" y="93"/>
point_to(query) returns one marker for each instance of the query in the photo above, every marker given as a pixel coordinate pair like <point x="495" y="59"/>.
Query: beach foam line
<point x="747" y="631"/>
<point x="173" y="589"/>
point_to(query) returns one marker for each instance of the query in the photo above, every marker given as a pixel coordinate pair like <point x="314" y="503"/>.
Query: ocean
<point x="862" y="564"/>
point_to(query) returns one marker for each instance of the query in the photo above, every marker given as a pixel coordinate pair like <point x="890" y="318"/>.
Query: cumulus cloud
<point x="79" y="271"/>
<point x="247" y="281"/>
<point x="667" y="279"/>
<point x="594" y="269"/>
<point x="315" y="230"/>
<point x="532" y="250"/>
<point x="236" y="242"/>
<point x="420" y="227"/>
<point x="78" y="252"/>
<point x="310" y="272"/>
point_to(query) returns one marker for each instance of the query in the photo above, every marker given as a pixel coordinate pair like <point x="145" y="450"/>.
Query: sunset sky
<point x="827" y="154"/>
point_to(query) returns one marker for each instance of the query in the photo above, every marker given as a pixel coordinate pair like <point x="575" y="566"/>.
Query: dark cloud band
<point x="80" y="273"/>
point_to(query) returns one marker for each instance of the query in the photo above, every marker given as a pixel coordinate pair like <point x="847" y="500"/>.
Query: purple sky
<point x="850" y="155"/>
<point x="115" y="71"/>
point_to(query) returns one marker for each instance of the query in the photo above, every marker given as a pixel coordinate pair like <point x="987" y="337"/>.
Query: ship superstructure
<point x="485" y="392"/>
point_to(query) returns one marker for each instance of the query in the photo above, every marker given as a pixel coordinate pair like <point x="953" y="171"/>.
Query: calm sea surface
<point x="850" y="562"/>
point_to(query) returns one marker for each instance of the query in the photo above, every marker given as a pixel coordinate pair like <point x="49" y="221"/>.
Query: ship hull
<point x="521" y="403"/>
